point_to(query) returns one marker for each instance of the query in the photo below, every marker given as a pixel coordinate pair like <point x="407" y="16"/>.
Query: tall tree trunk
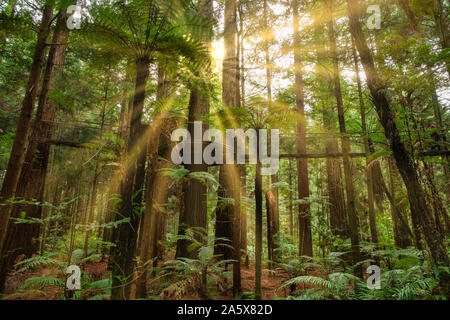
<point x="110" y="214"/>
<point x="272" y="226"/>
<point x="401" y="228"/>
<point x="243" y="168"/>
<point x="195" y="192"/>
<point x="337" y="210"/>
<point x="419" y="207"/>
<point x="267" y="53"/>
<point x="437" y="108"/>
<point x="369" y="170"/>
<point x="123" y="253"/>
<point x="122" y="118"/>
<point x="352" y="214"/>
<point x="228" y="216"/>
<point x="338" y="216"/>
<point x="21" y="238"/>
<point x="258" y="228"/>
<point x="228" y="221"/>
<point x="242" y="54"/>
<point x="93" y="205"/>
<point x="156" y="190"/>
<point x="243" y="179"/>
<point x="304" y="218"/>
<point x="291" y="202"/>
<point x="17" y="154"/>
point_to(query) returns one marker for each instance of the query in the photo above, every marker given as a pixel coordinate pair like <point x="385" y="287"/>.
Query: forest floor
<point x="271" y="283"/>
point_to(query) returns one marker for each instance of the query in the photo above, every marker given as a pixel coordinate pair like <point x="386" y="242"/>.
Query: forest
<point x="224" y="149"/>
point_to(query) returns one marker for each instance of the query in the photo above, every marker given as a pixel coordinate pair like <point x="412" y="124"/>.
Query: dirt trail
<point x="271" y="282"/>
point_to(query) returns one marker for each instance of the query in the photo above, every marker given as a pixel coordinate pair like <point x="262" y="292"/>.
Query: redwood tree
<point x="228" y="214"/>
<point x="195" y="192"/>
<point x="22" y="238"/>
<point x="17" y="156"/>
<point x="416" y="194"/>
<point x="304" y="219"/>
<point x="351" y="209"/>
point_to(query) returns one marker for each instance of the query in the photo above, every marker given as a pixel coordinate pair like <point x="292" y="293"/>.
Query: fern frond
<point x="99" y="297"/>
<point x="317" y="281"/>
<point x="37" y="261"/>
<point x="415" y="289"/>
<point x="42" y="282"/>
<point x="101" y="284"/>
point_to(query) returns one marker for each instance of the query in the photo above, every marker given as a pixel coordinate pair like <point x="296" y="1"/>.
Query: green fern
<point x="42" y="282"/>
<point x="416" y="289"/>
<point x="317" y="281"/>
<point x="38" y="261"/>
<point x="100" y="296"/>
<point x="101" y="284"/>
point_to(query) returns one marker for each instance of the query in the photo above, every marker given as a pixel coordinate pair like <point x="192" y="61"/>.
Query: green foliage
<point x="337" y="287"/>
<point x="201" y="276"/>
<point x="41" y="282"/>
<point x="32" y="264"/>
<point x="93" y="96"/>
<point x="182" y="174"/>
<point x="6" y="141"/>
<point x="407" y="279"/>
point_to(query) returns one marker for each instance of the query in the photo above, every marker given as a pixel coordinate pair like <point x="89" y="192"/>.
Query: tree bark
<point x="94" y="191"/>
<point x="352" y="214"/>
<point x="401" y="229"/>
<point x="304" y="218"/>
<point x="419" y="207"/>
<point x="243" y="179"/>
<point x="156" y="185"/>
<point x="258" y="229"/>
<point x="338" y="217"/>
<point x="437" y="108"/>
<point x="195" y="192"/>
<point x="123" y="253"/>
<point x="291" y="202"/>
<point x="404" y="5"/>
<point x="337" y="210"/>
<point x="243" y="168"/>
<point x="273" y="227"/>
<point x="228" y="216"/>
<point x="22" y="238"/>
<point x="17" y="156"/>
<point x="369" y="170"/>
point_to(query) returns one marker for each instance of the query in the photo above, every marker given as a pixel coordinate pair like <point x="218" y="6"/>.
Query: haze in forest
<point x="345" y="198"/>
